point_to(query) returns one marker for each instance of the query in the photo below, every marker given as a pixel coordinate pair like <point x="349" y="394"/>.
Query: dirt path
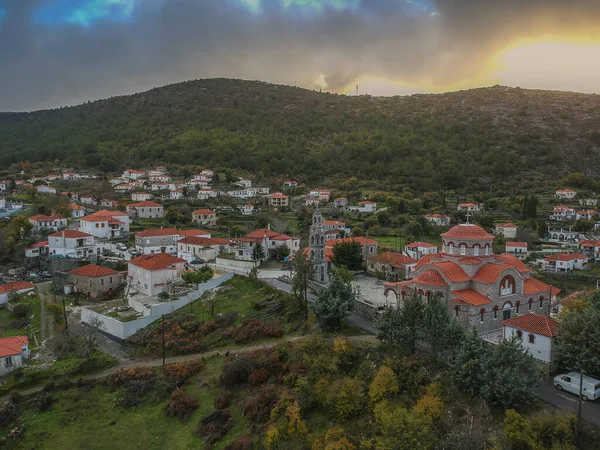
<point x="46" y="320"/>
<point x="177" y="359"/>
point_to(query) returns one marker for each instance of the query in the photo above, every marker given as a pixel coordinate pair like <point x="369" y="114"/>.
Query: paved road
<point x="569" y="402"/>
<point x="355" y="319"/>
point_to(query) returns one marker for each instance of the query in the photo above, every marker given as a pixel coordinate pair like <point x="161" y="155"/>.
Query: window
<point x="530" y="304"/>
<point x="518" y="305"/>
<point x="531" y="339"/>
<point x="507" y="286"/>
<point x="519" y="334"/>
<point x="8" y="362"/>
<point x="481" y="314"/>
<point x="102" y="281"/>
<point x="90" y="283"/>
<point x="567" y="379"/>
<point x="456" y="311"/>
<point x="103" y="225"/>
<point x="463" y="249"/>
<point x="495" y="312"/>
<point x="110" y="280"/>
<point x="541" y="302"/>
<point x="97" y="225"/>
<point x="476" y="250"/>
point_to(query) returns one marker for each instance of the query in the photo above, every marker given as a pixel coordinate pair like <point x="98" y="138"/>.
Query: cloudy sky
<point x="63" y="52"/>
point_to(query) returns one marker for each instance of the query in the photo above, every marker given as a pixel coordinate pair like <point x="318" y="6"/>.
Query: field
<point x="10" y="325"/>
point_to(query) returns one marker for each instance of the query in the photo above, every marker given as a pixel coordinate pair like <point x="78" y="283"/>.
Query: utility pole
<point x="163" y="339"/>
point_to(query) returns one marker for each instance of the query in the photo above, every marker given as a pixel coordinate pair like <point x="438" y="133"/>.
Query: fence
<point x="122" y="330"/>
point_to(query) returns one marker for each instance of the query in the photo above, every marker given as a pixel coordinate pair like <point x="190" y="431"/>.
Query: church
<point x="481" y="288"/>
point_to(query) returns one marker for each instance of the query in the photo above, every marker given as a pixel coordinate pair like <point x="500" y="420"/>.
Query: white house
<point x="565" y="194"/>
<point x="19" y="287"/>
<point x="242" y="193"/>
<point x="88" y="200"/>
<point x="589" y="248"/>
<point x="588" y="201"/>
<point x="508" y="230"/>
<point x="106" y="203"/>
<point x="70" y="176"/>
<point x="243" y="183"/>
<point x="364" y="207"/>
<point x="336" y="225"/>
<point x="146" y="210"/>
<point x="140" y="196"/>
<point x="290" y="184"/>
<point x="163" y="240"/>
<point x="563" y="213"/>
<point x="43" y="189"/>
<point x="538" y="334"/>
<point x="2" y="203"/>
<point x="177" y="194"/>
<point x="323" y="195"/>
<point x="562" y="262"/>
<point x="439" y="220"/>
<point x="116" y="181"/>
<point x="193" y="248"/>
<point x="149" y="274"/>
<point x="310" y="201"/>
<point x="417" y="250"/>
<point x="131" y="174"/>
<point x="13" y="350"/>
<point x="205" y="217"/>
<point x="269" y="240"/>
<point x="159" y="186"/>
<point x="206" y="193"/>
<point x="469" y="207"/>
<point x="340" y="202"/>
<point x="278" y="199"/>
<point x="77" y="211"/>
<point x="518" y="248"/>
<point x="160" y="177"/>
<point x="248" y="209"/>
<point x="71" y="243"/>
<point x="54" y="222"/>
<point x="586" y="214"/>
<point x="105" y="224"/>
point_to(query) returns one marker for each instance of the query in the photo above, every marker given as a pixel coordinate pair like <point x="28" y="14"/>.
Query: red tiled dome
<point x="468" y="231"/>
<point x="430" y="277"/>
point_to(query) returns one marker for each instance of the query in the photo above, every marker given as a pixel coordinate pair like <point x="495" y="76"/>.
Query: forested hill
<point x="475" y="138"/>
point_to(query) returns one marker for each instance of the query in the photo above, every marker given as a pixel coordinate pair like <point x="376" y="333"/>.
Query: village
<point x="124" y="251"/>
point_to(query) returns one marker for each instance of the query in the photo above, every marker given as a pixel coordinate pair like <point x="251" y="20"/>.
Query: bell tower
<point x="317" y="247"/>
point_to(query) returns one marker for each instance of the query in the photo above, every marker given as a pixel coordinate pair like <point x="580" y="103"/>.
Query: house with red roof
<point x="417" y="250"/>
<point x="589" y="248"/>
<point x="108" y="203"/>
<point x="95" y="281"/>
<point x="290" y="184"/>
<point x="567" y="194"/>
<point x="150" y="274"/>
<point x="131" y="174"/>
<point x="52" y="222"/>
<point x="205" y="193"/>
<point x="77" y="211"/>
<point x="340" y="202"/>
<point x="164" y="178"/>
<point x="18" y="287"/>
<point x="71" y="176"/>
<point x="105" y="224"/>
<point x="469" y="207"/>
<point x="277" y="199"/>
<point x="395" y="266"/>
<point x="163" y="240"/>
<point x="71" y="243"/>
<point x="537" y="333"/>
<point x="37" y="249"/>
<point x="586" y="214"/>
<point x="43" y="189"/>
<point x="248" y="209"/>
<point x="322" y="195"/>
<point x="508" y="230"/>
<point x="565" y="262"/>
<point x="199" y="248"/>
<point x="140" y="196"/>
<point x="439" y="220"/>
<point x="269" y="240"/>
<point x="366" y="207"/>
<point x="205" y="217"/>
<point x="480" y="288"/>
<point x="13" y="350"/>
<point x="146" y="210"/>
<point x="176" y="194"/>
<point x="563" y="213"/>
<point x="336" y="225"/>
<point x="516" y="248"/>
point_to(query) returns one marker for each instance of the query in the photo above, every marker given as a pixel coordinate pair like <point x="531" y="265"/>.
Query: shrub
<point x="183" y="370"/>
<point x="253" y="329"/>
<point x="8" y="414"/>
<point x="431" y="403"/>
<point x="258" y="407"/>
<point x="345" y="398"/>
<point x="208" y="328"/>
<point x="41" y="402"/>
<point x="335" y="439"/>
<point x="57" y="312"/>
<point x="241" y="443"/>
<point x="236" y="371"/>
<point x="21" y="310"/>
<point x="383" y="385"/>
<point x="121" y="376"/>
<point x="222" y="400"/>
<point x="214" y="426"/>
<point x="259" y="376"/>
<point x="181" y="404"/>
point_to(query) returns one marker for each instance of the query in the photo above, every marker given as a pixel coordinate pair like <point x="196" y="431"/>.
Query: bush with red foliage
<point x="121" y="376"/>
<point x="183" y="370"/>
<point x="222" y="400"/>
<point x="258" y="407"/>
<point x="238" y="371"/>
<point x="208" y="328"/>
<point x="181" y="404"/>
<point x="215" y="426"/>
<point x="254" y="329"/>
<point x="259" y="376"/>
<point x="241" y="443"/>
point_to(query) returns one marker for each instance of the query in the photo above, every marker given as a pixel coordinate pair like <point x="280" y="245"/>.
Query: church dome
<point x="467" y="240"/>
<point x="467" y="232"/>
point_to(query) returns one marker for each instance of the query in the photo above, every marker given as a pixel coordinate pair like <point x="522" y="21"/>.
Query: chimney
<point x="269" y="226"/>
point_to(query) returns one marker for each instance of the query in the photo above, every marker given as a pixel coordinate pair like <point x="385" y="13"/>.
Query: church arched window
<point x="508" y="286"/>
<point x="481" y="314"/>
<point x="463" y="248"/>
<point x="476" y="248"/>
<point x="456" y="311"/>
<point x="541" y="302"/>
<point x="322" y="240"/>
<point x="312" y="240"/>
<point x="518" y="305"/>
<point x="487" y="249"/>
<point x="530" y="303"/>
<point x="450" y="248"/>
<point x="495" y="312"/>
<point x="312" y="254"/>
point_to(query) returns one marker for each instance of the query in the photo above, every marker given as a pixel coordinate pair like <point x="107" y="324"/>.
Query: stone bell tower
<point x="317" y="247"/>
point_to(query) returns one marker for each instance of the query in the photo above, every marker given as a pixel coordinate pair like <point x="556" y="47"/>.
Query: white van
<point x="570" y="382"/>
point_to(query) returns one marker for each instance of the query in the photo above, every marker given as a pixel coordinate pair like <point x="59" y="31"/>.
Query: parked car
<point x="570" y="382"/>
<point x="132" y="250"/>
<point x="122" y="247"/>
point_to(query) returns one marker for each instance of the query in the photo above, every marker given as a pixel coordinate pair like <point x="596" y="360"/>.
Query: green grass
<point x="8" y="322"/>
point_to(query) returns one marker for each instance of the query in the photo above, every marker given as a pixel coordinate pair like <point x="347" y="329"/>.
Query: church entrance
<point x="506" y="311"/>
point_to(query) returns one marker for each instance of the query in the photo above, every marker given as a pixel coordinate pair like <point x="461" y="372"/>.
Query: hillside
<point x="477" y="139"/>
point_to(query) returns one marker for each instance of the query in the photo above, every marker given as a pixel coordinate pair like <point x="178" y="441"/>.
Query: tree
<point x="403" y="324"/>
<point x="468" y="364"/>
<point x="282" y="252"/>
<point x="510" y="374"/>
<point x="579" y="338"/>
<point x="172" y="214"/>
<point x="334" y="303"/>
<point x="303" y="273"/>
<point x="349" y="255"/>
<point x="438" y="324"/>
<point x="199" y="276"/>
<point x="258" y="252"/>
<point x="383" y="385"/>
<point x="402" y="429"/>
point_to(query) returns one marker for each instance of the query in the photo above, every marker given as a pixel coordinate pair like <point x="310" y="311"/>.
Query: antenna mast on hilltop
<point x="357" y="89"/>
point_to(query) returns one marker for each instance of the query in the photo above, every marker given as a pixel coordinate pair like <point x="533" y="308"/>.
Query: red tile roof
<point x="277" y="195"/>
<point x="146" y="204"/>
<point x="468" y="204"/>
<point x="75" y="207"/>
<point x="11" y="346"/>
<point x="472" y="297"/>
<point x="93" y="271"/>
<point x="516" y="244"/>
<point x="103" y="216"/>
<point x="393" y="258"/>
<point x="194" y="232"/>
<point x="206" y="242"/>
<point x="205" y="211"/>
<point x="467" y="231"/>
<point x="421" y="244"/>
<point x="15" y="286"/>
<point x="507" y="225"/>
<point x="158" y="232"/>
<point x="158" y="261"/>
<point x="565" y="257"/>
<point x="533" y="286"/>
<point x="70" y="234"/>
<point x="335" y="223"/>
<point x="436" y="216"/>
<point x="452" y="271"/>
<point x="430" y="277"/>
<point x="565" y="190"/>
<point x="534" y="323"/>
<point x="42" y="217"/>
<point x="361" y="240"/>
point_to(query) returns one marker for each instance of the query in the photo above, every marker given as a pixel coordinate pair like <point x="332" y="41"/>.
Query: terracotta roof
<point x="42" y="217"/>
<point x="341" y="198"/>
<point x="158" y="261"/>
<point x="158" y="232"/>
<point x="260" y="233"/>
<point x="11" y="346"/>
<point x="467" y="231"/>
<point x="533" y="286"/>
<point x="74" y="206"/>
<point x="206" y="242"/>
<point x="194" y="232"/>
<point x="436" y="216"/>
<point x="452" y="271"/>
<point x="467" y="204"/>
<point x="361" y="240"/>
<point x="534" y="323"/>
<point x="70" y="234"/>
<point x="336" y="223"/>
<point x="516" y="244"/>
<point x="93" y="271"/>
<point x="146" y="204"/>
<point x="565" y="190"/>
<point x="393" y="258"/>
<point x="203" y="212"/>
<point x="366" y="203"/>
<point x="421" y="244"/>
<point x="430" y="277"/>
<point x="513" y="261"/>
<point x="15" y="286"/>
<point x="489" y="272"/>
<point x="102" y="216"/>
<point x="565" y="257"/>
<point x="328" y="253"/>
<point x="426" y="260"/>
<point x="507" y="225"/>
<point x="277" y="195"/>
<point x="470" y="260"/>
<point x="472" y="297"/>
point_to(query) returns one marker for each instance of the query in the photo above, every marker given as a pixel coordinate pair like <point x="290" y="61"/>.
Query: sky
<point x="63" y="52"/>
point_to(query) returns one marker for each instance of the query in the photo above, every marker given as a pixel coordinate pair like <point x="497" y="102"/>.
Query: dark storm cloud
<point x="45" y="65"/>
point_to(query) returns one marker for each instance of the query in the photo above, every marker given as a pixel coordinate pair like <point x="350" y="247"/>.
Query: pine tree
<point x="468" y="363"/>
<point x="258" y="252"/>
<point x="304" y="273"/>
<point x="334" y="303"/>
<point x="437" y="324"/>
<point x="403" y="325"/>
